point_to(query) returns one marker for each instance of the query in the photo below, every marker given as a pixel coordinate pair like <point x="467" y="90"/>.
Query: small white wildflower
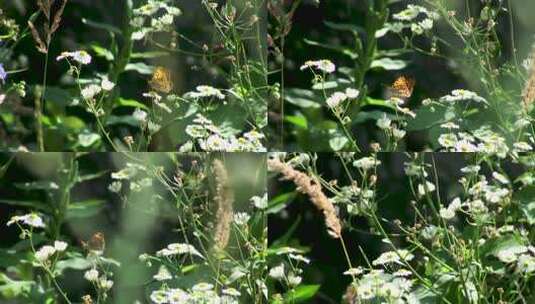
<point x="2" y="98"/>
<point x="140" y="115"/>
<point x="260" y="202"/>
<point x="384" y="122"/>
<point x="500" y="177"/>
<point x="206" y="91"/>
<point x="335" y="99"/>
<point x="402" y="273"/>
<point x="241" y="218"/>
<point x="91" y="91"/>
<point x="202" y="287"/>
<point x="105" y="283"/>
<point x="44" y="253"/>
<point x="428" y="188"/>
<point x="231" y="292"/>
<point x="91" y="275"/>
<point x="80" y="56"/>
<point x="277" y="272"/>
<point x="30" y="219"/>
<point x="366" y="163"/>
<point x="159" y="297"/>
<point x="294" y="280"/>
<point x="60" y="246"/>
<point x="354" y="271"/>
<point x="323" y="65"/>
<point x="163" y="274"/>
<point x="352" y="93"/>
<point x="106" y="84"/>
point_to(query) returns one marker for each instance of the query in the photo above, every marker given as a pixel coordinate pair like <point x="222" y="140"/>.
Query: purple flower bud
<point x="3" y="74"/>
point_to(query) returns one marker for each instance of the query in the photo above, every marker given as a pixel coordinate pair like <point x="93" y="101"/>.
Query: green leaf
<point x="388" y="64"/>
<point x="428" y="116"/>
<point x="39" y="185"/>
<point x="301" y="293"/>
<point x="302" y="98"/>
<point x="368" y="101"/>
<point x="326" y="85"/>
<point x="22" y="203"/>
<point x="83" y="178"/>
<point x="88" y="139"/>
<point x="102" y="52"/>
<point x="139" y="67"/>
<point x="102" y="26"/>
<point x="11" y="289"/>
<point x="58" y="96"/>
<point x="84" y="209"/>
<point x="347" y="27"/>
<point x="337" y="141"/>
<point x="343" y="50"/>
<point x="121" y="102"/>
<point x="279" y="202"/>
<point x="127" y="120"/>
<point x="298" y="121"/>
<point x="146" y="55"/>
<point x="73" y="123"/>
<point x="76" y="262"/>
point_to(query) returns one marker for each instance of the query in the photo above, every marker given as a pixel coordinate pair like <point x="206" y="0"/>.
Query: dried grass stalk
<point x="224" y="199"/>
<point x="528" y="95"/>
<point x="312" y="189"/>
<point x="57" y="17"/>
<point x="40" y="45"/>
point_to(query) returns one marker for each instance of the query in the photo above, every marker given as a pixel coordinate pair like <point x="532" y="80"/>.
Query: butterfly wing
<point x="161" y="80"/>
<point x="403" y="87"/>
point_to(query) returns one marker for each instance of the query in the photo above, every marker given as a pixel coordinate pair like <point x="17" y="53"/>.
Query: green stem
<point x="39" y="102"/>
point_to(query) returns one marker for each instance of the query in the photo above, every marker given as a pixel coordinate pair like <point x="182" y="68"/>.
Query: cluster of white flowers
<point x="381" y="286"/>
<point x="199" y="293"/>
<point x="323" y="65"/>
<point x="102" y="282"/>
<point x="150" y="13"/>
<point x="205" y="91"/>
<point x="338" y="97"/>
<point x="462" y="95"/>
<point x="178" y="249"/>
<point x="482" y="140"/>
<point x="31" y="219"/>
<point x="211" y="138"/>
<point x="366" y="163"/>
<point x="416" y="18"/>
<point x="81" y="57"/>
<point x="400" y="256"/>
<point x="449" y="212"/>
<point x="44" y="253"/>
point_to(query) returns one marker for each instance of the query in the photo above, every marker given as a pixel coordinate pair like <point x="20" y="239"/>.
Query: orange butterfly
<point x="161" y="80"/>
<point x="97" y="243"/>
<point x="403" y="87"/>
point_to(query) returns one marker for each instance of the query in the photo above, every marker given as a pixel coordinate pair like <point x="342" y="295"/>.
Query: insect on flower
<point x="96" y="243"/>
<point x="402" y="87"/>
<point x="161" y="80"/>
